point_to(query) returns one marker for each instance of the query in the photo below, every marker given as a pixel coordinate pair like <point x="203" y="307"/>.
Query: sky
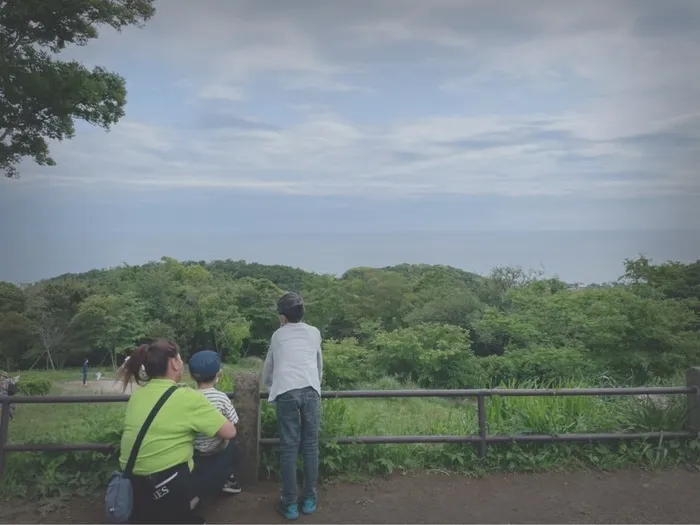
<point x="267" y="120"/>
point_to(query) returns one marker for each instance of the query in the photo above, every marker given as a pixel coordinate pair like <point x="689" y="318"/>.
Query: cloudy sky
<point x="384" y="115"/>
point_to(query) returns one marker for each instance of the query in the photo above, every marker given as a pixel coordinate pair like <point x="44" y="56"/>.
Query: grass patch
<point x="506" y="416"/>
<point x="67" y="374"/>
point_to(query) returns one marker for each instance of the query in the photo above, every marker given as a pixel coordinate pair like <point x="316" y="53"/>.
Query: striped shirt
<point x="210" y="445"/>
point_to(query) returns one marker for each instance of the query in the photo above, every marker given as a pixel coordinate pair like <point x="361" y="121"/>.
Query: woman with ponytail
<point x="161" y="475"/>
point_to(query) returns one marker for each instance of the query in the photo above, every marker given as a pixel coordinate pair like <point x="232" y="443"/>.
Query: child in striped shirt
<point x="205" y="369"/>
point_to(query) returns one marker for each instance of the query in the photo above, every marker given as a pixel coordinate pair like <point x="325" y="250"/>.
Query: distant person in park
<point x="163" y="474"/>
<point x="85" y="371"/>
<point x="292" y="375"/>
<point x="214" y="452"/>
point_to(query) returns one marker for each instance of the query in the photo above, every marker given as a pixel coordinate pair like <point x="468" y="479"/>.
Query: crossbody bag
<point x="119" y="500"/>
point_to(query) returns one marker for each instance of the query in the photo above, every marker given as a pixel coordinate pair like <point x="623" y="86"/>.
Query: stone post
<point x="692" y="379"/>
<point x="247" y="403"/>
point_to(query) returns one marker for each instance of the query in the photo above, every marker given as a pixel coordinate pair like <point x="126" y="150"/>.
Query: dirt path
<point x="103" y="386"/>
<point x="620" y="497"/>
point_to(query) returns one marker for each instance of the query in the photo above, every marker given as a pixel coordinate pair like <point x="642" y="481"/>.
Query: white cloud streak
<point x="631" y="128"/>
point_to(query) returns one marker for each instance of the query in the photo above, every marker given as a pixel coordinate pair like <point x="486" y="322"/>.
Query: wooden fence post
<point x="247" y="403"/>
<point x="692" y="379"/>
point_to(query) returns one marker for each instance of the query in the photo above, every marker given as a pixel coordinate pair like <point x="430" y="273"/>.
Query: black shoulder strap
<point x="142" y="433"/>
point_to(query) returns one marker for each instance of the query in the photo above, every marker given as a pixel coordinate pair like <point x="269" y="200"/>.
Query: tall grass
<point x="48" y="475"/>
<point x="505" y="416"/>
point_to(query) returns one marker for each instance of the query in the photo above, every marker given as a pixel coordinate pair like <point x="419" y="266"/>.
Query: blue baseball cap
<point x="205" y="365"/>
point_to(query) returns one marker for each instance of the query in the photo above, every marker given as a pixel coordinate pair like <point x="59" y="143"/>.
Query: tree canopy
<point x="40" y="95"/>
<point x="435" y="326"/>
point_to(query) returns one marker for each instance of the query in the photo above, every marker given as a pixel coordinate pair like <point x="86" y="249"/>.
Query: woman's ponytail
<point x="131" y="369"/>
<point x="152" y="358"/>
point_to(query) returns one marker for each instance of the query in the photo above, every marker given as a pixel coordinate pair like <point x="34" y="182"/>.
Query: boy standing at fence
<point x="205" y="369"/>
<point x="292" y="375"/>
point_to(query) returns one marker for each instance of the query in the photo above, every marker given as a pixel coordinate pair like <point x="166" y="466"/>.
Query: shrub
<point x="345" y="364"/>
<point x="432" y="355"/>
<point x="541" y="365"/>
<point x="34" y="387"/>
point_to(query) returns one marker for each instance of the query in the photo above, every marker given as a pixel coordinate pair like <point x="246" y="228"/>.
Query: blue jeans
<point x="299" y="420"/>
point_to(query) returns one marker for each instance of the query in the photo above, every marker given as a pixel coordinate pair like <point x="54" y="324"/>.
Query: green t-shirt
<point x="170" y="438"/>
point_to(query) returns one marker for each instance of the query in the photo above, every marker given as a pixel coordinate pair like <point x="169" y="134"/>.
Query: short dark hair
<point x="294" y="314"/>
<point x="291" y="305"/>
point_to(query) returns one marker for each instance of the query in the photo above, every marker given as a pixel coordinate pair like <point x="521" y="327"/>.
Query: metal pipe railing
<point x="482" y="440"/>
<point x="506" y="392"/>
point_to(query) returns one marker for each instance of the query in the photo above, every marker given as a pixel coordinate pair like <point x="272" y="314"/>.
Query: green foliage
<point x="12" y="299"/>
<point x="421" y="323"/>
<point x="34" y="386"/>
<point x="345" y="364"/>
<point x="506" y="416"/>
<point x="113" y="322"/>
<point x="432" y="355"/>
<point x="402" y="327"/>
<point x="41" y="96"/>
<point x="540" y="364"/>
<point x="43" y="475"/>
<point x="16" y="338"/>
<point x="634" y="336"/>
<point x="158" y="330"/>
<point x="226" y="383"/>
<point x="58" y="474"/>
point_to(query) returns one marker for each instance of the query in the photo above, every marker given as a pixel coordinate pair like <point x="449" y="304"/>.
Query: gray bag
<point x="119" y="500"/>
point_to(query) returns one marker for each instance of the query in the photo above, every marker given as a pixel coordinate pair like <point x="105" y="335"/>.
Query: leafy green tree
<point x="672" y="280"/>
<point x="432" y="355"/>
<point x="346" y="364"/>
<point x="156" y="329"/>
<point x="256" y="301"/>
<point x="377" y="294"/>
<point x="218" y="308"/>
<point x="425" y="324"/>
<point x="16" y="338"/>
<point x="51" y="310"/>
<point x="40" y="96"/>
<point x="12" y="298"/>
<point x="116" y="322"/>
<point x="636" y="337"/>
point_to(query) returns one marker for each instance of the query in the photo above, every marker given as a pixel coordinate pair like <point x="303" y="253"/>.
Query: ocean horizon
<point x="574" y="256"/>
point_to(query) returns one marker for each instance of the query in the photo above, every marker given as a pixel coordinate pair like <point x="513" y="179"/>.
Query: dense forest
<point x="434" y="326"/>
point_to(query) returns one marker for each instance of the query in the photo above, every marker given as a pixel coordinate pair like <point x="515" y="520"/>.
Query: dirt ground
<point x="620" y="497"/>
<point x="104" y="386"/>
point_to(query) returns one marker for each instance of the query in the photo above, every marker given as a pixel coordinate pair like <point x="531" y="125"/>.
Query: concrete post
<point x="692" y="379"/>
<point x="247" y="403"/>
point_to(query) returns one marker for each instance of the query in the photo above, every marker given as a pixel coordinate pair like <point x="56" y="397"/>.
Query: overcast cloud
<point x="268" y="117"/>
<point x="404" y="97"/>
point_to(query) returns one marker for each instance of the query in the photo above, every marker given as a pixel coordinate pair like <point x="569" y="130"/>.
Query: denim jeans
<point x="299" y="419"/>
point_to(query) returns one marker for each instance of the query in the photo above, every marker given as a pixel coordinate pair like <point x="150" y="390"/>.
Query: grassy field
<point x="49" y="475"/>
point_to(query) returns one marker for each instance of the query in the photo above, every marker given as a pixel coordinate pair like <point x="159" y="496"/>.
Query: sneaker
<point x="308" y="506"/>
<point x="289" y="512"/>
<point x="231" y="487"/>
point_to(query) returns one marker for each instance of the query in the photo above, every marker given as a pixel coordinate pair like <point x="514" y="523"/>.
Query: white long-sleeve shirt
<point x="294" y="360"/>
